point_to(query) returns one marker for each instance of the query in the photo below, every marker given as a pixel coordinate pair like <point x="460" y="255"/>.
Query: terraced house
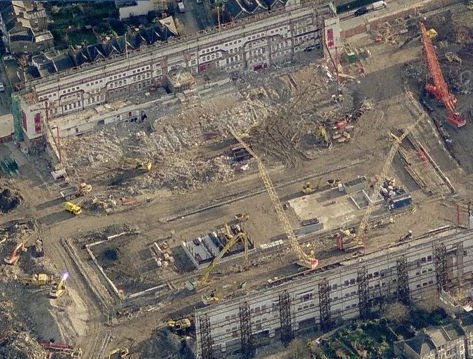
<point x="79" y="90"/>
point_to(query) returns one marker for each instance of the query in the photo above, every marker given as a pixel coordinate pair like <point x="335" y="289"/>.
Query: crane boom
<point x="384" y="172"/>
<point x="439" y="87"/>
<point x="268" y="185"/>
<point x="230" y="243"/>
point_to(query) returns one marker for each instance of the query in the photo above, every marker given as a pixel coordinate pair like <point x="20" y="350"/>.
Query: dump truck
<point x="75" y="191"/>
<point x="72" y="208"/>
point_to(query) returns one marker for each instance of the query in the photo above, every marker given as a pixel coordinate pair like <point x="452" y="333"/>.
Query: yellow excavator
<point x="59" y="288"/>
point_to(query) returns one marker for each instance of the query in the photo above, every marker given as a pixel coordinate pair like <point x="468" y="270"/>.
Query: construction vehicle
<point x="321" y="132"/>
<point x="180" y="325"/>
<point x="232" y="240"/>
<point x="307" y="188"/>
<point x="40" y="279"/>
<point x="304" y="259"/>
<point x="119" y="353"/>
<point x="439" y="88"/>
<point x="451" y="56"/>
<point x="75" y="191"/>
<point x="58" y="288"/>
<point x="64" y="349"/>
<point x="363" y="227"/>
<point x="14" y="257"/>
<point x="72" y="208"/>
<point x="136" y="163"/>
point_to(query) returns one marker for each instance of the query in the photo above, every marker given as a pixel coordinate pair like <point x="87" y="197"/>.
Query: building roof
<point x="444" y="334"/>
<point x="238" y="8"/>
<point x="97" y="52"/>
<point x="420" y="344"/>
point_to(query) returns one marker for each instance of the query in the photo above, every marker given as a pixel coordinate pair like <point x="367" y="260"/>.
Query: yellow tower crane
<point x="363" y="228"/>
<point x="304" y="259"/>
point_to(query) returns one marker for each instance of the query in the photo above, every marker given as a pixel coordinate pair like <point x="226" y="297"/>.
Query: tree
<point x="297" y="350"/>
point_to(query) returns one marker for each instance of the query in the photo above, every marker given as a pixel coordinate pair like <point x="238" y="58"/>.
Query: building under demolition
<point x="406" y="271"/>
<point x="75" y="99"/>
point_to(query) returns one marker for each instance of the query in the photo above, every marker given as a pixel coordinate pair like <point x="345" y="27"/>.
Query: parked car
<point x="361" y="11"/>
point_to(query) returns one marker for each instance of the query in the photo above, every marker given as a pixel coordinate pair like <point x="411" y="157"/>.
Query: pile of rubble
<point x="165" y="345"/>
<point x="9" y="197"/>
<point x="191" y="174"/>
<point x="16" y="342"/>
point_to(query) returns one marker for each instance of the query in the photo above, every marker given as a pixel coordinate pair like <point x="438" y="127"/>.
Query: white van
<point x="2" y="87"/>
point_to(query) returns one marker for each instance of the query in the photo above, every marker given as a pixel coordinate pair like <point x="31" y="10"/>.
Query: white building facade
<point x="409" y="272"/>
<point x="253" y="44"/>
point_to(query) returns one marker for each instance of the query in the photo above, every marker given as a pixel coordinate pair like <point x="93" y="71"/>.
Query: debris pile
<point x="9" y="198"/>
<point x="15" y="341"/>
<point x="168" y="345"/>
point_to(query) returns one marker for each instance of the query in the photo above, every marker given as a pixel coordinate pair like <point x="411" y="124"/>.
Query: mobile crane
<point x="304" y="259"/>
<point x="439" y="87"/>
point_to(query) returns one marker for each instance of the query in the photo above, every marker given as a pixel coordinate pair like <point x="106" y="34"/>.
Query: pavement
<point x="348" y="21"/>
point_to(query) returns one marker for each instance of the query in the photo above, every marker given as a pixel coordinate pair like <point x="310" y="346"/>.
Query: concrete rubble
<point x="16" y="341"/>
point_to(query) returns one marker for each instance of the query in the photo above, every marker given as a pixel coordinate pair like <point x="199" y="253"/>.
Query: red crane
<point x="439" y="87"/>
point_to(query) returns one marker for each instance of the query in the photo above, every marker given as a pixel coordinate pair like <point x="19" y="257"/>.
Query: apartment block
<point x="409" y="272"/>
<point x="73" y="99"/>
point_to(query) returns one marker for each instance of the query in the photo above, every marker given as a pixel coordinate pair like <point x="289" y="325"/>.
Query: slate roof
<point x="97" y="52"/>
<point x="421" y="344"/>
<point x="239" y="8"/>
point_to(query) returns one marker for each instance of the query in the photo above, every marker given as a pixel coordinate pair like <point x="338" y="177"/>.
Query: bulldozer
<point x="59" y="288"/>
<point x="180" y="325"/>
<point x="136" y="163"/>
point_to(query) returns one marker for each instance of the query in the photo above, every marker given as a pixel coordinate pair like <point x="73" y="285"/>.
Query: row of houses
<point x="409" y="272"/>
<point x="69" y="89"/>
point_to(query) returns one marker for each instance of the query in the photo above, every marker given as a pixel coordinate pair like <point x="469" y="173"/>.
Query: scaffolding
<point x="403" y="294"/>
<point x="362" y="280"/>
<point x="285" y="317"/>
<point x="247" y="346"/>
<point x="205" y="337"/>
<point x="440" y="260"/>
<point x="324" y="304"/>
<point x="17" y="117"/>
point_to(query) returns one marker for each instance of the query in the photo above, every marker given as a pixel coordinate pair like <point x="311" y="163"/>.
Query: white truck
<point x="378" y="5"/>
<point x="181" y="7"/>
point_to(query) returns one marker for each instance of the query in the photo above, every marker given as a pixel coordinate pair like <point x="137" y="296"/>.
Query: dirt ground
<point x="195" y="185"/>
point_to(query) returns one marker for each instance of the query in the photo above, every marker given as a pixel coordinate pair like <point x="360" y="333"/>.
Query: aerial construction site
<point x="277" y="204"/>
